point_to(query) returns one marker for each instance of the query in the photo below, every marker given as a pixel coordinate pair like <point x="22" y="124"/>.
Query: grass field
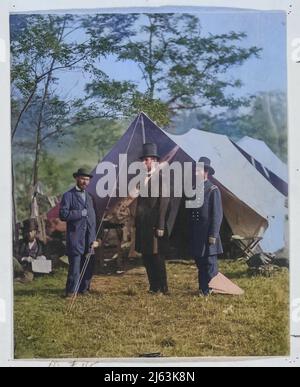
<point x="120" y="319"/>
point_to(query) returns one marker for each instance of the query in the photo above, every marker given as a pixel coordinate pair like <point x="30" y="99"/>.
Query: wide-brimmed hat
<point x="207" y="165"/>
<point x="150" y="150"/>
<point x="82" y="172"/>
<point x="30" y="225"/>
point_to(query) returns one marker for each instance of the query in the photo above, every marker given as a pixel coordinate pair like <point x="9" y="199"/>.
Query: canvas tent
<point x="260" y="151"/>
<point x="248" y="197"/>
<point x="252" y="206"/>
<point x="266" y="162"/>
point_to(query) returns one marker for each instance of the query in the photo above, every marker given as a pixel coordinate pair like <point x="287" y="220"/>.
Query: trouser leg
<point x="73" y="274"/>
<point x="202" y="265"/>
<point x="207" y="270"/>
<point x="212" y="268"/>
<point x="151" y="272"/>
<point x="87" y="271"/>
<point x="161" y="273"/>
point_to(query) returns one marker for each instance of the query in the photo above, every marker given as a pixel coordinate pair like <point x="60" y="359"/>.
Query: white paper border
<point x="6" y="274"/>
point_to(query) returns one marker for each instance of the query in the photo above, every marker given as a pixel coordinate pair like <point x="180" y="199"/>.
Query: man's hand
<point x="84" y="213"/>
<point x="96" y="244"/>
<point x="160" y="233"/>
<point x="212" y="240"/>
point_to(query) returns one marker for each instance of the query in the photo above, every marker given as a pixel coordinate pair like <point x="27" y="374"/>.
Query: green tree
<point x="56" y="173"/>
<point x="182" y="69"/>
<point x="39" y="49"/>
<point x="42" y="47"/>
<point x="97" y="137"/>
<point x="265" y="119"/>
<point x="23" y="180"/>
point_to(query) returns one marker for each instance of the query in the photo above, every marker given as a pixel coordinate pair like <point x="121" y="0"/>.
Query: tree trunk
<point x="38" y="147"/>
<point x="36" y="160"/>
<point x="150" y="71"/>
<point x="24" y="109"/>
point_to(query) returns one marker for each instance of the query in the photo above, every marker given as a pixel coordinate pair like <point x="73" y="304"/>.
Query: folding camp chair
<point x="246" y="244"/>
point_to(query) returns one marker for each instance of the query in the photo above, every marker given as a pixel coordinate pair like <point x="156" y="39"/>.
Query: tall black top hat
<point x="150" y="150"/>
<point x="207" y="165"/>
<point x="82" y="172"/>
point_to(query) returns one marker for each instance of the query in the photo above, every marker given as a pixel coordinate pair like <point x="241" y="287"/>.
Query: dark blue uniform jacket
<point x="81" y="230"/>
<point x="206" y="222"/>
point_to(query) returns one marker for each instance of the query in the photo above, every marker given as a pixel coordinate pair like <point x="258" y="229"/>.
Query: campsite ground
<point x="120" y="319"/>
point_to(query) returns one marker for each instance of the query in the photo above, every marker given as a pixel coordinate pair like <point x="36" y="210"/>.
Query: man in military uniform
<point x="151" y="229"/>
<point x="204" y="226"/>
<point x="77" y="209"/>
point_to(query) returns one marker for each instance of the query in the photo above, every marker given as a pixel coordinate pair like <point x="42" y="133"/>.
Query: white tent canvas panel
<point x="260" y="151"/>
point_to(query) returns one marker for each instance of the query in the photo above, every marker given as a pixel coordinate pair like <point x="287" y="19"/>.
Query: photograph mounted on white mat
<point x="178" y="85"/>
<point x="2" y="311"/>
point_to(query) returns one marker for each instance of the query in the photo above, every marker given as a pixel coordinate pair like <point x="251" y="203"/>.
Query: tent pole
<point x="143" y="129"/>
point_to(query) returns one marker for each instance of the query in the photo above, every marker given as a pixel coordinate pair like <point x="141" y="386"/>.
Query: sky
<point x="266" y="30"/>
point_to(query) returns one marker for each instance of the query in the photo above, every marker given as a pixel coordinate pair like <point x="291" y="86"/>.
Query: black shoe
<point x="164" y="290"/>
<point x="206" y="293"/>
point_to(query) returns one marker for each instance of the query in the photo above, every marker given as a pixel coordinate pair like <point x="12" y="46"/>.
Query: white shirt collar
<point x="32" y="244"/>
